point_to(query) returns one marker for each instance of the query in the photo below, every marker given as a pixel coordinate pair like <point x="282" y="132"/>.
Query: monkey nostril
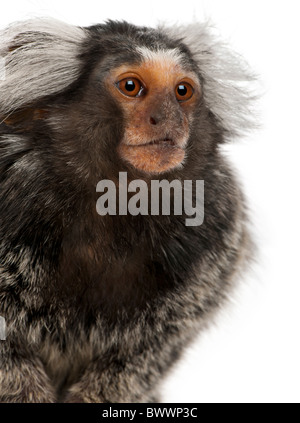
<point x="152" y="121"/>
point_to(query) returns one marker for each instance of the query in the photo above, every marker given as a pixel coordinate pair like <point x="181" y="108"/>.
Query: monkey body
<point x="98" y="308"/>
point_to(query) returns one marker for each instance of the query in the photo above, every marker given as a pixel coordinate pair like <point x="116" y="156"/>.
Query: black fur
<point x="99" y="308"/>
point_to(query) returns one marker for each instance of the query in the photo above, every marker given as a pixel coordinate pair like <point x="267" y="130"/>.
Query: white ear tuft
<point x="228" y="83"/>
<point x="40" y="58"/>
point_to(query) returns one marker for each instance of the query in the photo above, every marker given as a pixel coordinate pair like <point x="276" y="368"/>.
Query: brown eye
<point x="131" y="87"/>
<point x="184" y="91"/>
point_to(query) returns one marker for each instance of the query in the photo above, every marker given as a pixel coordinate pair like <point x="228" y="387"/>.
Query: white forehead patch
<point x="163" y="56"/>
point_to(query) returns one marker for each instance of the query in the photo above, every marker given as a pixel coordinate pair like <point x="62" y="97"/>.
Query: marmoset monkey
<point x="99" y="307"/>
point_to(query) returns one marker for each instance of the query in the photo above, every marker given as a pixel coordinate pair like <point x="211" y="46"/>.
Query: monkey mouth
<point x="167" y="142"/>
<point x="155" y="156"/>
<point x="161" y="142"/>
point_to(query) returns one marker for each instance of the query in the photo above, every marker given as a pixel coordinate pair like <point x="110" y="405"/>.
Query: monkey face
<point x="158" y="98"/>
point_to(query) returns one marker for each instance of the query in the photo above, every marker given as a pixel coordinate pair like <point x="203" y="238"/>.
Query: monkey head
<point x="158" y="98"/>
<point x="118" y="97"/>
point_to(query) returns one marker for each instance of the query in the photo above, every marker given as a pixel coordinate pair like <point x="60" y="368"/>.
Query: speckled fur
<point x="98" y="309"/>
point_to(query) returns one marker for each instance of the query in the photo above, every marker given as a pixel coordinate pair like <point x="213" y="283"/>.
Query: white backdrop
<point x="252" y="352"/>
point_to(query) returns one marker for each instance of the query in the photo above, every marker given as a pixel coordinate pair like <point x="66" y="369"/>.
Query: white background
<point x="252" y="352"/>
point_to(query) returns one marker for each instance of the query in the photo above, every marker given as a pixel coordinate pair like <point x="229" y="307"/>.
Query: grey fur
<point x="47" y="53"/>
<point x="99" y="309"/>
<point x="228" y="83"/>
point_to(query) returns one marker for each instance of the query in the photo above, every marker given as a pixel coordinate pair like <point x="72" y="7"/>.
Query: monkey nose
<point x="153" y="120"/>
<point x="157" y="116"/>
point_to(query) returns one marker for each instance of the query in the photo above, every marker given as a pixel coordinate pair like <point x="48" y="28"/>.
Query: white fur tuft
<point x="227" y="80"/>
<point x="45" y="61"/>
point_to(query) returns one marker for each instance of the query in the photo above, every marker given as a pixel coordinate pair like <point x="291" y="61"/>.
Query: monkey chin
<point x="153" y="158"/>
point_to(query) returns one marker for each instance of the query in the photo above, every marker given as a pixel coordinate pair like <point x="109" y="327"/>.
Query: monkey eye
<point x="131" y="87"/>
<point x="184" y="91"/>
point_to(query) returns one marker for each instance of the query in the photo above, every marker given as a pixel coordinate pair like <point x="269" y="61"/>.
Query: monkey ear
<point x="230" y="88"/>
<point x="40" y="58"/>
<point x="23" y="120"/>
